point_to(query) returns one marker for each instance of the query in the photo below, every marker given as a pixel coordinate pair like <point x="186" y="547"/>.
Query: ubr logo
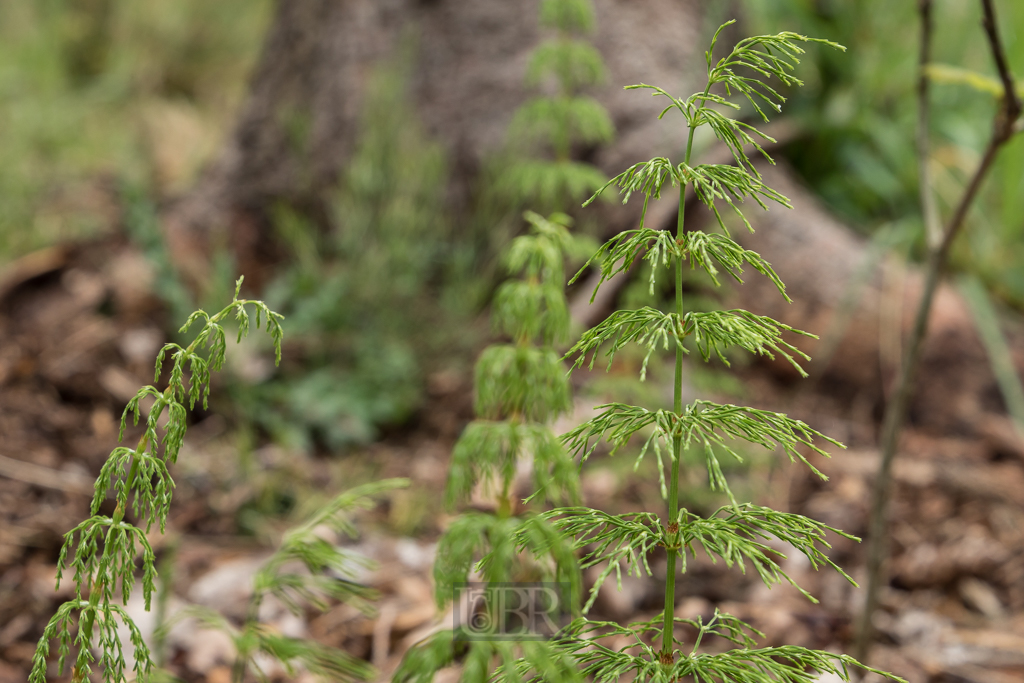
<point x="510" y="611"/>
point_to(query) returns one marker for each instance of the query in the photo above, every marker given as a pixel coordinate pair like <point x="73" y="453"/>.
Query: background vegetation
<point x="109" y="106"/>
<point x="856" y="125"/>
<point x="101" y="93"/>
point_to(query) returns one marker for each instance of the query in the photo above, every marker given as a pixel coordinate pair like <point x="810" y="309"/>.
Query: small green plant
<point x="360" y="297"/>
<point x="103" y="550"/>
<point x="328" y="575"/>
<point x="553" y="124"/>
<point x="520" y="388"/>
<point x="737" y="532"/>
<point x="538" y="167"/>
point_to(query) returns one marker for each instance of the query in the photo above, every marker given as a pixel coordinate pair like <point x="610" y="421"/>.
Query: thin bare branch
<point x="38" y="475"/>
<point x="929" y="207"/>
<point x="896" y="410"/>
<point x="1011" y="103"/>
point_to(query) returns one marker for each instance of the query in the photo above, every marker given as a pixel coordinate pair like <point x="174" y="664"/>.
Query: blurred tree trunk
<point x="300" y="121"/>
<point x="300" y="124"/>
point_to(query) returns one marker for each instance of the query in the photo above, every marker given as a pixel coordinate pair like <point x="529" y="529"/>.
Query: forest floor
<point x="79" y="329"/>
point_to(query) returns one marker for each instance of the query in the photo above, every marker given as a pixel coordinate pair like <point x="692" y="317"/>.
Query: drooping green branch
<point x="704" y="422"/>
<point x="640" y="662"/>
<point x="712" y="331"/>
<point x="524" y="380"/>
<point x="659" y="248"/>
<point x="106" y="548"/>
<point x="306" y="570"/>
<point x="488" y="452"/>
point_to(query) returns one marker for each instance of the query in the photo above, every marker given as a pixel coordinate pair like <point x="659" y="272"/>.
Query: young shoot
<point x="103" y="550"/>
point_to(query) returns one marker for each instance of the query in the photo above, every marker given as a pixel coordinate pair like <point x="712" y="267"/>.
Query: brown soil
<point x="79" y="327"/>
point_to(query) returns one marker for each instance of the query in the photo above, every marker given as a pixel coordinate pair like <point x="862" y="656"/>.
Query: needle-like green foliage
<point x="713" y="331"/>
<point x="103" y="550"/>
<point x="306" y="570"/>
<point x="659" y="248"/>
<point x="488" y="454"/>
<point x="534" y="306"/>
<point x="734" y="533"/>
<point x="740" y="534"/>
<point x="702" y="422"/>
<point x="567" y="15"/>
<point x="744" y="664"/>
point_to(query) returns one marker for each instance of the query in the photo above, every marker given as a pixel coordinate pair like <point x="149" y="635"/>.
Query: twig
<point x="38" y="475"/>
<point x="1011" y="103"/>
<point x="890" y="317"/>
<point x="896" y="411"/>
<point x="382" y="634"/>
<point x="929" y="207"/>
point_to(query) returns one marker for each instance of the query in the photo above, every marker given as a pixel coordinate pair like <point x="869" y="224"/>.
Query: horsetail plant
<point x="738" y="532"/>
<point x="307" y="569"/>
<point x="555" y="122"/>
<point x="520" y="387"/>
<point x="102" y="551"/>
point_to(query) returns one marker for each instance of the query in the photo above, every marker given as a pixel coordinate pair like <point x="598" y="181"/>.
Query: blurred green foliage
<point x="94" y="91"/>
<point x="101" y="95"/>
<point x="857" y="123"/>
<point x="540" y="167"/>
<point x="362" y="293"/>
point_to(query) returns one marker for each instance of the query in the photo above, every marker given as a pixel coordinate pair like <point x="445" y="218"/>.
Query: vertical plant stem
<point x="896" y="411"/>
<point x="238" y="669"/>
<point x="668" y="626"/>
<point x="667" y="636"/>
<point x="504" y="510"/>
